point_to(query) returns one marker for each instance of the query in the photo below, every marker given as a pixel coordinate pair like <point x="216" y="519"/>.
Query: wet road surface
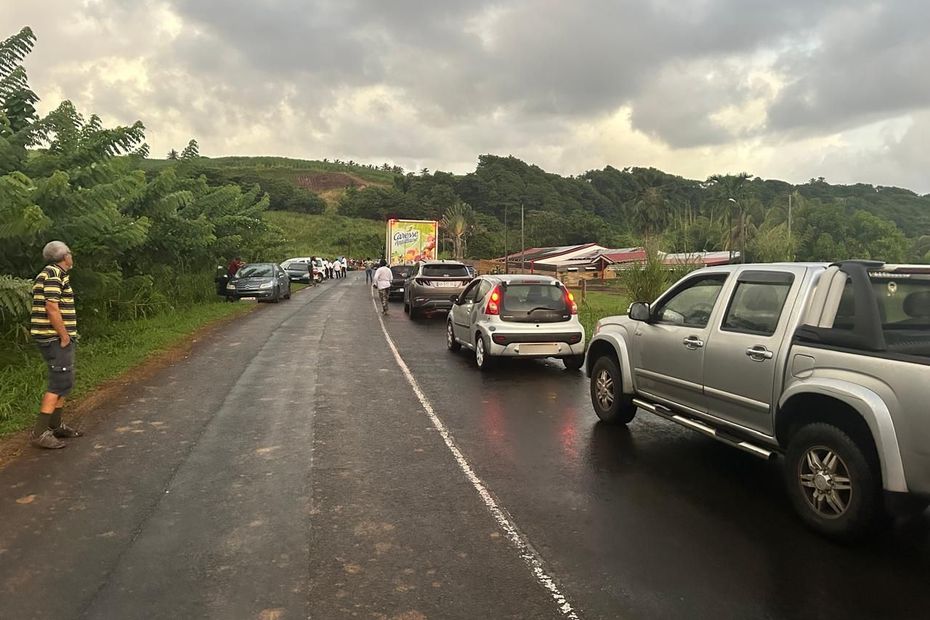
<point x="287" y="469"/>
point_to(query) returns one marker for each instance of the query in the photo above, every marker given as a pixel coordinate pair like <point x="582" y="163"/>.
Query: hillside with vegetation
<point x="614" y="207"/>
<point x="620" y="208"/>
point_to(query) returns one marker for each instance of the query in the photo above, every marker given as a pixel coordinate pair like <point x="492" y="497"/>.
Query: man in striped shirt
<point x="54" y="327"/>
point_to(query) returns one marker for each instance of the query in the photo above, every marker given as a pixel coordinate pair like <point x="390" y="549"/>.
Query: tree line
<point x="625" y="207"/>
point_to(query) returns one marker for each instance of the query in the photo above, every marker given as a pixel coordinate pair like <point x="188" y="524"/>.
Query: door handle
<point x="759" y="354"/>
<point x="692" y="342"/>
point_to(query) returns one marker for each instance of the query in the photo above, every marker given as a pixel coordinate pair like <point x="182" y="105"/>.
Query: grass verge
<point x="597" y="305"/>
<point x="101" y="356"/>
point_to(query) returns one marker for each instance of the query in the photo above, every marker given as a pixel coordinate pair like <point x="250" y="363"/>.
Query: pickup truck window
<point x="904" y="308"/>
<point x="756" y="307"/>
<point x="692" y="304"/>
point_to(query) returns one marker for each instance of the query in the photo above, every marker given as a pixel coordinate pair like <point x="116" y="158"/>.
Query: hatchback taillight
<point x="570" y="301"/>
<point x="494" y="302"/>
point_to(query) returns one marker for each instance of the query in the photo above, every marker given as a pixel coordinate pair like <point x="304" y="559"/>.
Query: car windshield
<point x="445" y="271"/>
<point x="401" y="271"/>
<point x="531" y="297"/>
<point x="256" y="271"/>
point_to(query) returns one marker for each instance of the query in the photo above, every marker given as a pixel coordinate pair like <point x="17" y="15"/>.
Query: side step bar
<point x="701" y="427"/>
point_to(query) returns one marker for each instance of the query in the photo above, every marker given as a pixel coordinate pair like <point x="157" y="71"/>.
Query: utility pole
<point x="506" y="256"/>
<point x="522" y="241"/>
<point x="790" y="253"/>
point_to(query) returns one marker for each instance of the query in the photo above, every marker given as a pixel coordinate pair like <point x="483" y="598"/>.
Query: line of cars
<point x="495" y="316"/>
<point x="272" y="282"/>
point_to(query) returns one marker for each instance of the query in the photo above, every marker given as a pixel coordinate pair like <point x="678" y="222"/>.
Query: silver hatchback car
<point x="516" y="316"/>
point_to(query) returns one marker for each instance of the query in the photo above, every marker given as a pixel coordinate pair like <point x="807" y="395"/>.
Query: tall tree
<point x="458" y="222"/>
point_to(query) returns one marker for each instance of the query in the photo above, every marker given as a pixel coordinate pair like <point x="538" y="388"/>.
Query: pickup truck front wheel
<point x="610" y="403"/>
<point x="832" y="483"/>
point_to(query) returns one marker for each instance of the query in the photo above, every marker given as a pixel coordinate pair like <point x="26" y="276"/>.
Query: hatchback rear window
<point x="445" y="271"/>
<point x="530" y="297"/>
<point x="298" y="267"/>
<point x="401" y="272"/>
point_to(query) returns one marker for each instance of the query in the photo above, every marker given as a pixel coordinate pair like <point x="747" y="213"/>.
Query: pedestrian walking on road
<point x="54" y="328"/>
<point x="337" y="269"/>
<point x="369" y="271"/>
<point x="382" y="282"/>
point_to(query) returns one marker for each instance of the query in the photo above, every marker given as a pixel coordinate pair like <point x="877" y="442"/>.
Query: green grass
<point x="328" y="235"/>
<point x="597" y="305"/>
<point x="99" y="358"/>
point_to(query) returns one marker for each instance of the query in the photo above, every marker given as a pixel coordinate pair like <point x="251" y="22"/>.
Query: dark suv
<point x="400" y="273"/>
<point x="432" y="286"/>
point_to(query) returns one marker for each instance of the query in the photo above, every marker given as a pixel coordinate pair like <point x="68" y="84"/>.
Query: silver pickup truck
<point x="825" y="365"/>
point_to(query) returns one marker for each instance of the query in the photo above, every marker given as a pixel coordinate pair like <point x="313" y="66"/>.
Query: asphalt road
<point x="287" y="469"/>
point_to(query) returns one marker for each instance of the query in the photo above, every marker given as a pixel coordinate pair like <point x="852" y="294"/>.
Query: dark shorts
<point x="60" y="362"/>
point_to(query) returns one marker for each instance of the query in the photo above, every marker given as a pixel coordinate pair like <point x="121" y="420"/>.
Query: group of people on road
<point x="336" y="268"/>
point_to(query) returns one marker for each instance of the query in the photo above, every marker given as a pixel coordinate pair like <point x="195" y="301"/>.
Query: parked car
<point x="263" y="281"/>
<point x="317" y="270"/>
<point x="825" y="365"/>
<point x="400" y="273"/>
<point x="299" y="272"/>
<point x="516" y="316"/>
<point x="432" y="284"/>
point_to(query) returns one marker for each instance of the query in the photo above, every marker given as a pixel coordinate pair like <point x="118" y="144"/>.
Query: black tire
<point x="610" y="403"/>
<point x="575" y="362"/>
<point x="288" y="296"/>
<point x="414" y="313"/>
<point x="406" y="307"/>
<point x="276" y="297"/>
<point x="451" y="342"/>
<point x="862" y="504"/>
<point x="482" y="359"/>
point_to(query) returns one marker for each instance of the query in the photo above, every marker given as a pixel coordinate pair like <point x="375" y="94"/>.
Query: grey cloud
<point x="869" y="63"/>
<point x="511" y="76"/>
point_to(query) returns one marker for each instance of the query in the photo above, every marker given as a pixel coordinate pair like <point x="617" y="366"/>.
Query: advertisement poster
<point x="409" y="241"/>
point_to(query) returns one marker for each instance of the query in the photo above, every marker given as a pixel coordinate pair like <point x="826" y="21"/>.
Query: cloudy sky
<point x="788" y="89"/>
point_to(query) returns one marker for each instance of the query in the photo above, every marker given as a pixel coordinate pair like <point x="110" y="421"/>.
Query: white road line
<point x="503" y="518"/>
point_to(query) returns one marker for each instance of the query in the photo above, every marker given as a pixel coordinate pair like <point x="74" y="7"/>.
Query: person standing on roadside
<point x="369" y="271"/>
<point x="54" y="327"/>
<point x="337" y="269"/>
<point x="382" y="282"/>
<point x="231" y="270"/>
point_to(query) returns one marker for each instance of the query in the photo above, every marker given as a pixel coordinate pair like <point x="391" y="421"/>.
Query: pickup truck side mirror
<point x="640" y="311"/>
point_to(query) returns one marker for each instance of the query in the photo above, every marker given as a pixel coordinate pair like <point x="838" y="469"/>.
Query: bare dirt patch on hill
<point x="326" y="181"/>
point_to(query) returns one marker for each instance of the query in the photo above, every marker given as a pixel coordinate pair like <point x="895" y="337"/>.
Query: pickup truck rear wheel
<point x="610" y="403"/>
<point x="832" y="482"/>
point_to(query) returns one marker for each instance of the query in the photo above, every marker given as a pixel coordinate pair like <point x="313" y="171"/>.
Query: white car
<point x="516" y="316"/>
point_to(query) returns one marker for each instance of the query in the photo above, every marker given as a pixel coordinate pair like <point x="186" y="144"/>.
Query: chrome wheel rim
<point x="825" y="482"/>
<point x="479" y="352"/>
<point x="604" y="389"/>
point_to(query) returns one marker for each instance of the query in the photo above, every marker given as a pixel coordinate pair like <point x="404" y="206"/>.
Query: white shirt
<point x="337" y="266"/>
<point x="383" y="277"/>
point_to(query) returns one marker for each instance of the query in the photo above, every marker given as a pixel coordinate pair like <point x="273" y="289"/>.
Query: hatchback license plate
<point x="447" y="284"/>
<point x="539" y="349"/>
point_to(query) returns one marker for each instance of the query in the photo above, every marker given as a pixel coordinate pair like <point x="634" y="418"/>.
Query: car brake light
<point x="493" y="307"/>
<point x="570" y="301"/>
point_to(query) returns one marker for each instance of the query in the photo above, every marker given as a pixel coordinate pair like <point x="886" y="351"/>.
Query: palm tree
<point x="458" y="222"/>
<point x="729" y="193"/>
